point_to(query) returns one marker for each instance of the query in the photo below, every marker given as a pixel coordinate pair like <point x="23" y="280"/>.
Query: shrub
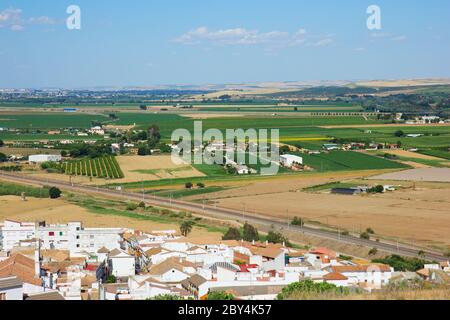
<point x="373" y="251"/>
<point x="200" y="185"/>
<point x="365" y="236"/>
<point x="276" y="237"/>
<point x="132" y="206"/>
<point x="298" y="222"/>
<point x="370" y="231"/>
<point x="219" y="295"/>
<point x="54" y="193"/>
<point x="309" y="287"/>
<point x="142" y="204"/>
<point x="402" y="264"/>
<point x="188" y="185"/>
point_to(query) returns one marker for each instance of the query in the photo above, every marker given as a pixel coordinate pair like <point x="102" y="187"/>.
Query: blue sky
<point x="149" y="42"/>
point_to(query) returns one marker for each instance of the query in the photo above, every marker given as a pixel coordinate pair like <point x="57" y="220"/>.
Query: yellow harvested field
<point x="60" y="211"/>
<point x="420" y="216"/>
<point x="148" y="168"/>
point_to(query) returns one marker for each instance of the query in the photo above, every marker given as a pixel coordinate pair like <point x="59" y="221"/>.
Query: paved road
<point x="224" y="213"/>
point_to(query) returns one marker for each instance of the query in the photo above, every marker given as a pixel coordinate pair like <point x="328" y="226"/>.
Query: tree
<point x="188" y="185"/>
<point x="54" y="193"/>
<point x="219" y="295"/>
<point x="365" y="236"/>
<point x="373" y="251"/>
<point x="1" y="143"/>
<point x="232" y="234"/>
<point x="143" y="151"/>
<point x="3" y="157"/>
<point x="399" y="133"/>
<point x="143" y="107"/>
<point x="200" y="185"/>
<point x="250" y="233"/>
<point x="376" y="189"/>
<point x="276" y="237"/>
<point x="186" y="228"/>
<point x="370" y="231"/>
<point x="298" y="222"/>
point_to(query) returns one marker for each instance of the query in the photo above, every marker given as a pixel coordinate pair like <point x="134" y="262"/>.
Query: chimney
<point x="253" y="242"/>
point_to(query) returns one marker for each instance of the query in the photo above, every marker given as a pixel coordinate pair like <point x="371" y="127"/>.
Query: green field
<point x="104" y="167"/>
<point x="347" y="160"/>
<point x="12" y="189"/>
<point x="437" y="153"/>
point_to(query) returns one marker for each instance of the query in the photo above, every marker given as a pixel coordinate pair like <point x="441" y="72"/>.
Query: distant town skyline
<point x="198" y="42"/>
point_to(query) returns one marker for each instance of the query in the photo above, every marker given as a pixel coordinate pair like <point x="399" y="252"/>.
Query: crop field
<point x="105" y="167"/>
<point x="342" y="160"/>
<point x="40" y="120"/>
<point x="437" y="153"/>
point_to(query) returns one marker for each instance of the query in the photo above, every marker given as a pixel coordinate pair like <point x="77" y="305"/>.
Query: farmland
<point x="104" y="167"/>
<point x="344" y="161"/>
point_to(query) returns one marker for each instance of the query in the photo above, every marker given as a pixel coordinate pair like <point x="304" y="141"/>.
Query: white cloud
<point x="230" y="36"/>
<point x="12" y="19"/>
<point x="360" y="49"/>
<point x="241" y="36"/>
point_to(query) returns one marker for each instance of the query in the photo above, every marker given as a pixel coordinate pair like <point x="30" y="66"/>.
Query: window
<point x="2" y="296"/>
<point x="51" y="234"/>
<point x="61" y="233"/>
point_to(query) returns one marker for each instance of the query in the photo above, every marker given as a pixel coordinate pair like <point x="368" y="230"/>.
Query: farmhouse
<point x="289" y="160"/>
<point x="40" y="158"/>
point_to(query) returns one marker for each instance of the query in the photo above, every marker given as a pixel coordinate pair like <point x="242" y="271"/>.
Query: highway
<point x="226" y="214"/>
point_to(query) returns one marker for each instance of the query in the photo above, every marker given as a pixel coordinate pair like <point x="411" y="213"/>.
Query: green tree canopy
<point x="232" y="234"/>
<point x="250" y="233"/>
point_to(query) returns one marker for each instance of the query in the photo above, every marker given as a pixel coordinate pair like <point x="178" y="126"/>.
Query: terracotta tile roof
<point x="334" y="276"/>
<point x="20" y="266"/>
<point x="364" y="268"/>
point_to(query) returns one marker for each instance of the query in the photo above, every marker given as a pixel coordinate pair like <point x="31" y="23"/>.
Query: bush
<point x="219" y="295"/>
<point x="132" y="206"/>
<point x="370" y="231"/>
<point x="373" y="251"/>
<point x="309" y="287"/>
<point x="365" y="236"/>
<point x="232" y="234"/>
<point x="54" y="193"/>
<point x="188" y="185"/>
<point x="111" y="279"/>
<point x="376" y="189"/>
<point x="402" y="264"/>
<point x="276" y="237"/>
<point x="200" y="185"/>
<point x="3" y="157"/>
<point x="298" y="222"/>
<point x="142" y="205"/>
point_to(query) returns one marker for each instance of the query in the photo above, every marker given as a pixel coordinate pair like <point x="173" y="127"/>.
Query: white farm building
<point x="288" y="160"/>
<point x="40" y="158"/>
